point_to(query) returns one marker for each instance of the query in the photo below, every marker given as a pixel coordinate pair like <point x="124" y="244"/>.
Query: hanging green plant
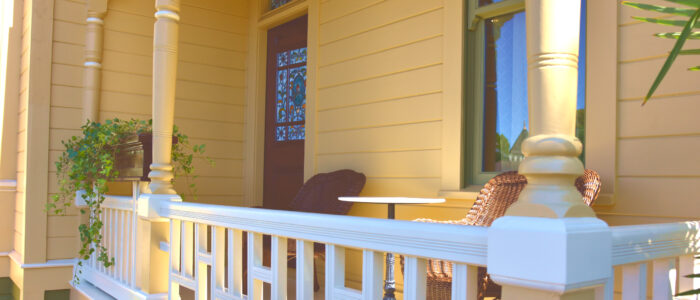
<point x="88" y="164"/>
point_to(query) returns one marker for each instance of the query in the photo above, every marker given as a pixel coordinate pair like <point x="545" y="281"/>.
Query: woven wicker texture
<point x="493" y="200"/>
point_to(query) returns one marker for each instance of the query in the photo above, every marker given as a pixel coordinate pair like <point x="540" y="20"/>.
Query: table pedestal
<point x="389" y="282"/>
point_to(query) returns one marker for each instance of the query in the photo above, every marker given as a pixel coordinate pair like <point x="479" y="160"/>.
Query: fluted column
<point x="165" y="38"/>
<point x="551" y="162"/>
<point x="92" y="74"/>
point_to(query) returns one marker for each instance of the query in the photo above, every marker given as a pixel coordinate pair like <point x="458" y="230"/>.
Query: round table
<point x="389" y="282"/>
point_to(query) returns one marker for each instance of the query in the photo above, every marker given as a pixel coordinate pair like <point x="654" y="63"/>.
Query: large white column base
<point x="149" y="205"/>
<point x="547" y="256"/>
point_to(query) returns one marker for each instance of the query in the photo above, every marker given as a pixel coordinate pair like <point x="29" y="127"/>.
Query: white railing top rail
<point x="638" y="243"/>
<point x="119" y="202"/>
<point x="458" y="243"/>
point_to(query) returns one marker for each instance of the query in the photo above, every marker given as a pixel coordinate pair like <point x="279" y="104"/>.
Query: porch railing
<point x="206" y="254"/>
<point x="122" y="236"/>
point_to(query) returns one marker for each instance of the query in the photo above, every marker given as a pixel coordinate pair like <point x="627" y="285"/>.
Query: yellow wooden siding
<point x="380" y="95"/>
<point x="210" y="83"/>
<point x="658" y="171"/>
<point x="65" y="114"/>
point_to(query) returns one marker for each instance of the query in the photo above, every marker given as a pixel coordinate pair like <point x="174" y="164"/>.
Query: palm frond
<point x="691" y="3"/>
<point x="687" y="30"/>
<point x="675" y="35"/>
<point x="686" y="12"/>
<point x="679" y="23"/>
<point x="690" y="52"/>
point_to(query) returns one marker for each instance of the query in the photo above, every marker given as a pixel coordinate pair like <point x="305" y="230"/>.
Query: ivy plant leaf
<point x="686" y="12"/>
<point x="674" y="53"/>
<point x="675" y="35"/>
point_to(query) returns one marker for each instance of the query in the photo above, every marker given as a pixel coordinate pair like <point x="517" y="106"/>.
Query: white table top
<point x="396" y="200"/>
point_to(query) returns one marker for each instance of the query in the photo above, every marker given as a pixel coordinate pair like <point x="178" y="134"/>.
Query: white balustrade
<point x="206" y="254"/>
<point x="120" y="238"/>
<point x="664" y="250"/>
<point x="465" y="246"/>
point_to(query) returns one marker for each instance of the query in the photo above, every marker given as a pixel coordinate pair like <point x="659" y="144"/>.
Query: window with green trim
<point x="496" y="85"/>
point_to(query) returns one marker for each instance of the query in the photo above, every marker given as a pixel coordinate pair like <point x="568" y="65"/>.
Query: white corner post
<point x="152" y="228"/>
<point x="92" y="74"/>
<point x="550" y="245"/>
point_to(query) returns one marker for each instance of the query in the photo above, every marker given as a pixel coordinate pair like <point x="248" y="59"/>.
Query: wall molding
<point x="52" y="263"/>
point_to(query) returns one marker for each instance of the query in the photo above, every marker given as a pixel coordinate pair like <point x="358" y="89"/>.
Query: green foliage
<point x="87" y="165"/>
<point x="681" y="37"/>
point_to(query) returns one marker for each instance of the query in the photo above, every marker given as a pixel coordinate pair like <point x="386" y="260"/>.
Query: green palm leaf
<point x="679" y="23"/>
<point x="691" y="292"/>
<point x="674" y="53"/>
<point x="691" y="3"/>
<point x="690" y="52"/>
<point x="686" y="12"/>
<point x="675" y="35"/>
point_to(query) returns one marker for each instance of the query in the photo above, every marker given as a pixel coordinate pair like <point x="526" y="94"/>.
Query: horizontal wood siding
<point x="380" y="95"/>
<point x="65" y="114"/>
<point x="210" y="88"/>
<point x="658" y="169"/>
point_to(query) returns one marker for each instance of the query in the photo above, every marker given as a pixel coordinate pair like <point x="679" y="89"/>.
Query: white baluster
<point x="335" y="269"/>
<point x="278" y="265"/>
<point x="235" y="263"/>
<point x="634" y="281"/>
<point x="255" y="248"/>
<point x="464" y="282"/>
<point x="372" y="279"/>
<point x="113" y="242"/>
<point x="305" y="270"/>
<point x="662" y="283"/>
<point x="120" y="246"/>
<point x="175" y="252"/>
<point x="414" y="282"/>
<point x="127" y="246"/>
<point x="187" y="250"/>
<point x="218" y="256"/>
<point x="606" y="291"/>
<point x="200" y="249"/>
<point x="686" y="266"/>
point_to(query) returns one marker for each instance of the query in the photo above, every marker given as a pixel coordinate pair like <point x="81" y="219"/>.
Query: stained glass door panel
<point x="285" y="113"/>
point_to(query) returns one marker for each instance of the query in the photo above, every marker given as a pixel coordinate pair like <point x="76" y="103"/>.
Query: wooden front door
<point x="285" y="113"/>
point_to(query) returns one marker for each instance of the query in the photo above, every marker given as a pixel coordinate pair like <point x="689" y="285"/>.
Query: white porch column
<point x="92" y="74"/>
<point x="153" y="229"/>
<point x="550" y="245"/>
<point x="165" y="38"/>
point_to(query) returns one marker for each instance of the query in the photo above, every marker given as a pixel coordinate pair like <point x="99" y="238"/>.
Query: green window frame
<point x="474" y="80"/>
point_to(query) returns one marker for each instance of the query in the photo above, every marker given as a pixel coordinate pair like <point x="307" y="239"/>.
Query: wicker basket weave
<point x="493" y="200"/>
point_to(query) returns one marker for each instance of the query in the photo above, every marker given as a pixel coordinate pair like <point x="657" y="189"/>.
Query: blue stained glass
<point x="281" y="133"/>
<point x="296" y="132"/>
<point x="282" y="58"/>
<point x="297" y="94"/>
<point x="277" y="3"/>
<point x="297" y="56"/>
<point x="281" y="96"/>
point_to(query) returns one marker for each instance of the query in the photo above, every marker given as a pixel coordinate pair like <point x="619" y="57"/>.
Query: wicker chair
<point x="493" y="200"/>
